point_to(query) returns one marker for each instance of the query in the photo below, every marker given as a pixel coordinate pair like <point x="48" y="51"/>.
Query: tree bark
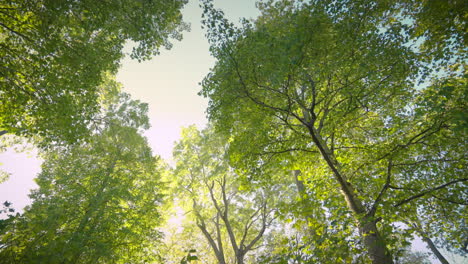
<point x="373" y="241"/>
<point x="433" y="248"/>
<point x="218" y="249"/>
<point x="3" y="132"/>
<point x="240" y="258"/>
<point x="418" y="228"/>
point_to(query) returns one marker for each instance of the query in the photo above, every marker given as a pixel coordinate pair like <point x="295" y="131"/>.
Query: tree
<point x="180" y="242"/>
<point x="410" y="257"/>
<point x="8" y="218"/>
<point x="54" y="55"/>
<point x="437" y="219"/>
<point x="97" y="202"/>
<point x="224" y="210"/>
<point x="330" y="85"/>
<point x="416" y="226"/>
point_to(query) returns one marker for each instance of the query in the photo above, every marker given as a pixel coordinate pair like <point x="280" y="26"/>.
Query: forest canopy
<point x="55" y="54"/>
<point x="365" y="97"/>
<point x="337" y="133"/>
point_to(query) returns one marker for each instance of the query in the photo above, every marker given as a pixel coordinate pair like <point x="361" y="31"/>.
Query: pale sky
<point x="169" y="83"/>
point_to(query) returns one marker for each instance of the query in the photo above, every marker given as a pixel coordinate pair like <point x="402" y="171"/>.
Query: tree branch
<point x="248" y="224"/>
<point x="384" y="189"/>
<point x="15" y="32"/>
<point x="421" y="194"/>
<point x="225" y="215"/>
<point x="262" y="230"/>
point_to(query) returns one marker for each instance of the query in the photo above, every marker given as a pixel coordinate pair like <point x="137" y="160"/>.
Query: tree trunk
<point x="304" y="201"/>
<point x="373" y="241"/>
<point x="240" y="257"/>
<point x="3" y="132"/>
<point x="299" y="183"/>
<point x="434" y="249"/>
<point x="418" y="228"/>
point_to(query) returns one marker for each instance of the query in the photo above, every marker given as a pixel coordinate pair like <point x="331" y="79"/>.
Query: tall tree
<point x="54" y="53"/>
<point x="97" y="202"/>
<point x="332" y="84"/>
<point x="232" y="217"/>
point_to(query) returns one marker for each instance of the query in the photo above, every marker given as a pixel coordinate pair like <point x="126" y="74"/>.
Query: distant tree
<point x="411" y="257"/>
<point x="232" y="217"/>
<point x="7" y="216"/>
<point x="53" y="55"/>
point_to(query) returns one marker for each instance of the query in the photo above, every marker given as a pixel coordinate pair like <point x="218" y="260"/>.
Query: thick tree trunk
<point x="373" y="241"/>
<point x="240" y="258"/>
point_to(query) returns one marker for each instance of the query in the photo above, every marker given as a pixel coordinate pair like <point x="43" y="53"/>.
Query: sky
<point x="169" y="83"/>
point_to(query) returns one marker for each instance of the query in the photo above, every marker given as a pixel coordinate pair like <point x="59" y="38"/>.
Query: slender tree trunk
<point x="304" y="201"/>
<point x="299" y="183"/>
<point x="3" y="132"/>
<point x="220" y="254"/>
<point x="418" y="228"/>
<point x="434" y="249"/>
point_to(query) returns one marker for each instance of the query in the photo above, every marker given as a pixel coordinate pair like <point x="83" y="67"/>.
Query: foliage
<point x="233" y="217"/>
<point x="363" y="101"/>
<point x="8" y="210"/>
<point x="411" y="257"/>
<point x="180" y="238"/>
<point x="190" y="257"/>
<point x="97" y="202"/>
<point x="330" y="88"/>
<point x="54" y="55"/>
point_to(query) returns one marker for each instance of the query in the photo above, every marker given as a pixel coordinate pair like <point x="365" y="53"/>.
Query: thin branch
<point x="424" y="161"/>
<point x="421" y="194"/>
<point x="16" y="32"/>
<point x="262" y="230"/>
<point x="248" y="225"/>
<point x="213" y="198"/>
<point x="285" y="150"/>
<point x="401" y="188"/>
<point x="384" y="189"/>
<point x="448" y="200"/>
